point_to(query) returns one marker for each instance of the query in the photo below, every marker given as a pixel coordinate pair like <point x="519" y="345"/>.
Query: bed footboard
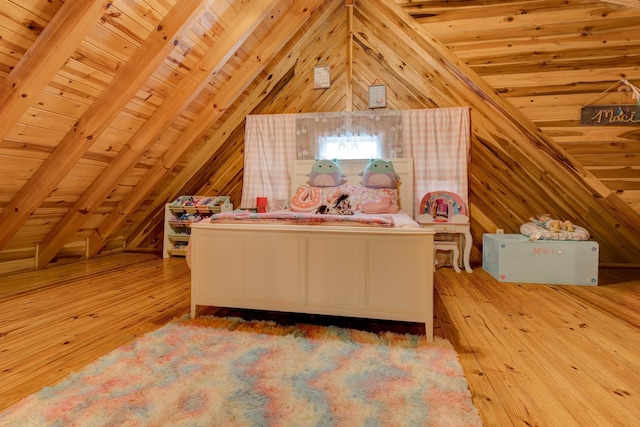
<point x="342" y="271"/>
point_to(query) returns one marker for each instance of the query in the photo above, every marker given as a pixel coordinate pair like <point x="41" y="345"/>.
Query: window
<point x="349" y="134"/>
<point x="349" y="147"/>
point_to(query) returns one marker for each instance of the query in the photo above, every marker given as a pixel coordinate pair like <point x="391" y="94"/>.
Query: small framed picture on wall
<point x="377" y="96"/>
<point x="322" y="77"/>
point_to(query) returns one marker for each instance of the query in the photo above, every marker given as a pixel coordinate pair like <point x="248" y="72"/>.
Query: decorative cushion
<point x="360" y="196"/>
<point x="379" y="174"/>
<point x="307" y="199"/>
<point x="325" y="173"/>
<point x="382" y="204"/>
<point x="361" y="199"/>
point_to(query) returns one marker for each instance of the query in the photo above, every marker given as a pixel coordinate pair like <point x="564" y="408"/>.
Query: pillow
<point x="325" y="173"/>
<point x="361" y="199"/>
<point x="382" y="204"/>
<point x="379" y="174"/>
<point x="307" y="199"/>
<point x="360" y="196"/>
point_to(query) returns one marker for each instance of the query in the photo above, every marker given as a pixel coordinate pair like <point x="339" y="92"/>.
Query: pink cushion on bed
<point x="307" y="199"/>
<point x="382" y="204"/>
<point x="360" y="195"/>
<point x="378" y="200"/>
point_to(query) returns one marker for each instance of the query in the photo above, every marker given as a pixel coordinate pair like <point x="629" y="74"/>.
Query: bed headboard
<point x="352" y="169"/>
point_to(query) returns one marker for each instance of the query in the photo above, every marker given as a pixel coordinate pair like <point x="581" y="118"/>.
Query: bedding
<point x="369" y="265"/>
<point x="345" y="199"/>
<point x="286" y="217"/>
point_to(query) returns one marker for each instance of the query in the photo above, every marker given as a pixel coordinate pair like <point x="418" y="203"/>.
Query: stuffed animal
<point x="541" y="220"/>
<point x="379" y="174"/>
<point x="558" y="225"/>
<point x="553" y="225"/>
<point x="325" y="173"/>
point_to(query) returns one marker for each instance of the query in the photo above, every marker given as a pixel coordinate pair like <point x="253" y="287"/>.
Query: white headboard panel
<point x="352" y="169"/>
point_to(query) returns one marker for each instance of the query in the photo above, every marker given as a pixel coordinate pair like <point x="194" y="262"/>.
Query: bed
<point x="340" y="269"/>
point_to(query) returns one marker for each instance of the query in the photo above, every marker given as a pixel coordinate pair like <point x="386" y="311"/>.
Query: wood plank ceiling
<point x="110" y="109"/>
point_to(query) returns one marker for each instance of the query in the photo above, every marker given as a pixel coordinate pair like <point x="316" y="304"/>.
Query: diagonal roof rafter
<point x="96" y="119"/>
<point x="176" y="101"/>
<point x="225" y="98"/>
<point x="66" y="30"/>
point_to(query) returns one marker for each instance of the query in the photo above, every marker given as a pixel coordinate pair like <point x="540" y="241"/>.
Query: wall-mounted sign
<point x="377" y="96"/>
<point x="322" y="77"/>
<point x="610" y="115"/>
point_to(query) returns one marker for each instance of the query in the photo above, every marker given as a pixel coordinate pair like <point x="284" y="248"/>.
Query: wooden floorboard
<point x="542" y="355"/>
<point x="534" y="355"/>
<point x="57" y="320"/>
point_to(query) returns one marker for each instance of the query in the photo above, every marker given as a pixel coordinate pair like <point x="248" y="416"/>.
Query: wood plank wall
<point x="524" y="67"/>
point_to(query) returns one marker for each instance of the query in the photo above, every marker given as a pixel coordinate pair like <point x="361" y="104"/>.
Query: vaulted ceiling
<point x="110" y="109"/>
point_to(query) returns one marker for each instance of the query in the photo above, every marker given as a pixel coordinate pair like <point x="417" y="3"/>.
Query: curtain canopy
<point x="437" y="139"/>
<point x="350" y="126"/>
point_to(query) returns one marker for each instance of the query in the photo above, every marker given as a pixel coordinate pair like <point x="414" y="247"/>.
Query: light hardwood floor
<point x="534" y="355"/>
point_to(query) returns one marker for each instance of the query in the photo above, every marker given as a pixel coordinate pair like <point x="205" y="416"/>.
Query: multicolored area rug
<point x="230" y="372"/>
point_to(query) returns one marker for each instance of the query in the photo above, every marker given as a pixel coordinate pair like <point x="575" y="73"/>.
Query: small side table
<point x="452" y="227"/>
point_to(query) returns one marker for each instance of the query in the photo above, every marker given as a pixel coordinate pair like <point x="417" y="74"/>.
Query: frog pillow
<point x="379" y="174"/>
<point x="325" y="173"/>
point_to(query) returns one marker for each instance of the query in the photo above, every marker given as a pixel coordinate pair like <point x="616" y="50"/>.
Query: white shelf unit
<point x="177" y="230"/>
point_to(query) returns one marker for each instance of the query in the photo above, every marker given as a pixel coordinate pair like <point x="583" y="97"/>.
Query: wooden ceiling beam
<point x="180" y="97"/>
<point x="297" y="16"/>
<point x="226" y="164"/>
<point x="98" y="116"/>
<point x="628" y="3"/>
<point x="568" y="186"/>
<point x="66" y="30"/>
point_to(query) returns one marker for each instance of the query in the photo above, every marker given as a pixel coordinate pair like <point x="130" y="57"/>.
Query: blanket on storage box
<point x="537" y="232"/>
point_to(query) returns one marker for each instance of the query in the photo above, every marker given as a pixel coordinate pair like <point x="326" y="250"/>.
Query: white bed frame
<point x="368" y="272"/>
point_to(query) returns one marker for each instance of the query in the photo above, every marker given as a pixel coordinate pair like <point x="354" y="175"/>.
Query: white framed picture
<point x="377" y="96"/>
<point x="322" y="77"/>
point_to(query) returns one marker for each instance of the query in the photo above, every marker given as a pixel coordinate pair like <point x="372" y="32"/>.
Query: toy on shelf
<point x="214" y="204"/>
<point x="446" y="213"/>
<point x="183" y="212"/>
<point x="442" y="206"/>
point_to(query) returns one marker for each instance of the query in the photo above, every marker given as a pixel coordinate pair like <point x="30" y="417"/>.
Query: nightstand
<point x="452" y="227"/>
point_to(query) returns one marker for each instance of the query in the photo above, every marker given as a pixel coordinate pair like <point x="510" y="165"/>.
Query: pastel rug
<point x="230" y="372"/>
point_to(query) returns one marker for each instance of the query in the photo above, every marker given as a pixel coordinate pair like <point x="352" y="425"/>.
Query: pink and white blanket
<point x="287" y="217"/>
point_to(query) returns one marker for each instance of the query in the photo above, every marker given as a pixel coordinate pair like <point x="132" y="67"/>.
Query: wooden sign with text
<point x="610" y="115"/>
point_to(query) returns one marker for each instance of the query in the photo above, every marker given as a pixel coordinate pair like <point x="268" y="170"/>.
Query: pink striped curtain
<point x="438" y="140"/>
<point x="269" y="150"/>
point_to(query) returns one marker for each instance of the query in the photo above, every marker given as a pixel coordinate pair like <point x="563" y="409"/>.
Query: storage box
<point x="514" y="258"/>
